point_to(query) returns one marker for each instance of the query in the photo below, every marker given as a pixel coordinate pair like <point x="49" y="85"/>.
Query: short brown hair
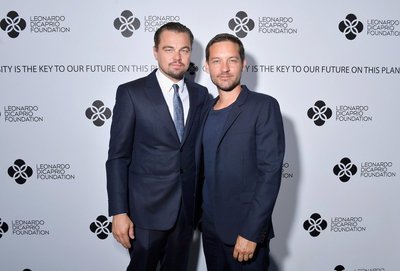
<point x="172" y="26"/>
<point x="226" y="37"/>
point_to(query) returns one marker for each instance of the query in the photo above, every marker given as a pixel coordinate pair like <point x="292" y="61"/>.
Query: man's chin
<point x="227" y="88"/>
<point x="176" y="75"/>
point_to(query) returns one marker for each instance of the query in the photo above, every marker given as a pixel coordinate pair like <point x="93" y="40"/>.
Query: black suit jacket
<point x="248" y="166"/>
<point x="150" y="174"/>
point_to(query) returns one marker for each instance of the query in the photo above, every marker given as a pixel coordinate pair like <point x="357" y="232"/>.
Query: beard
<point x="177" y="73"/>
<point x="173" y="72"/>
<point x="226" y="86"/>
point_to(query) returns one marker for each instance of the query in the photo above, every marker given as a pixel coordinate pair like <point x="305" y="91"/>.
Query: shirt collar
<point x="166" y="83"/>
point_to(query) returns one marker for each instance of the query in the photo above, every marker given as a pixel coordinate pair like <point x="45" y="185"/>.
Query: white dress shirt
<point x="168" y="93"/>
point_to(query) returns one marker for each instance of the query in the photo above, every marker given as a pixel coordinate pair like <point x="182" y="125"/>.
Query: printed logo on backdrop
<point x="127" y="23"/>
<point x="41" y="24"/>
<point x="154" y="22"/>
<point x="321" y="113"/>
<point x="3" y="227"/>
<point x="308" y="69"/>
<point x="22" y="114"/>
<point x="98" y="113"/>
<point x="77" y="68"/>
<point x="342" y="268"/>
<point x="54" y="171"/>
<point x="277" y="25"/>
<point x="192" y="69"/>
<point x="20" y="171"/>
<point x="370" y="170"/>
<point x="353" y="113"/>
<point x="351" y="27"/>
<point x="383" y="27"/>
<point x="29" y="227"/>
<point x="345" y="169"/>
<point x="287" y="172"/>
<point x="13" y="24"/>
<point x="315" y="225"/>
<point x="241" y="24"/>
<point x="25" y="227"/>
<point x="101" y="227"/>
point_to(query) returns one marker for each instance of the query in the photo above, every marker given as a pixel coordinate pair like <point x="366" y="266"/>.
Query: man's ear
<point x="155" y="53"/>
<point x="244" y="65"/>
<point x="206" y="67"/>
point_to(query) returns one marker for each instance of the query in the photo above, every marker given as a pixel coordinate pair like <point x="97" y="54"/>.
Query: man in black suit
<point x="242" y="143"/>
<point x="151" y="162"/>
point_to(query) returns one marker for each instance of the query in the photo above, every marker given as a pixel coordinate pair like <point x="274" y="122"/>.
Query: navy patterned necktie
<point x="178" y="112"/>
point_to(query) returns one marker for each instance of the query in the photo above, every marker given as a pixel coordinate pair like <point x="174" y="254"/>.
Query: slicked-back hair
<point x="225" y="37"/>
<point x="175" y="27"/>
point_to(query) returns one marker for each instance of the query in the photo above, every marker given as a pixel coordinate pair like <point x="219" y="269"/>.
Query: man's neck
<point x="226" y="98"/>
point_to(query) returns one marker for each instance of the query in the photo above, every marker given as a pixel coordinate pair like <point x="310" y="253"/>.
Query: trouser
<point x="219" y="256"/>
<point x="169" y="249"/>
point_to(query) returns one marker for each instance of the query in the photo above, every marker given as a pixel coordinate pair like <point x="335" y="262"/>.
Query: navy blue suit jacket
<point x="248" y="166"/>
<point x="150" y="174"/>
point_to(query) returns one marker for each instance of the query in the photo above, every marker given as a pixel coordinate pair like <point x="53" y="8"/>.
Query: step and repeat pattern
<point x="333" y="66"/>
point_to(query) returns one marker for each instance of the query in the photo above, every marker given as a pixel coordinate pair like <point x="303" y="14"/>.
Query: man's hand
<point x="122" y="229"/>
<point x="244" y="249"/>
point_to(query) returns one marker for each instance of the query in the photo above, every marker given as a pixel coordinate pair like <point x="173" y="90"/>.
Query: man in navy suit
<point x="151" y="161"/>
<point x="242" y="143"/>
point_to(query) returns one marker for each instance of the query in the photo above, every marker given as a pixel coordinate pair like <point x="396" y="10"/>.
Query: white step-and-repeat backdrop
<point x="334" y="66"/>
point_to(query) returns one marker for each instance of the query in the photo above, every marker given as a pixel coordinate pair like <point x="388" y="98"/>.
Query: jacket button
<point x="181" y="171"/>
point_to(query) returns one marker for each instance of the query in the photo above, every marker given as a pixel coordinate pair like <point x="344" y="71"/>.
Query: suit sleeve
<point x="120" y="152"/>
<point x="270" y="148"/>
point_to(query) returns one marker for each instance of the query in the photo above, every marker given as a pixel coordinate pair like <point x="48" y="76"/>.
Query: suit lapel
<point x="233" y="113"/>
<point x="154" y="93"/>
